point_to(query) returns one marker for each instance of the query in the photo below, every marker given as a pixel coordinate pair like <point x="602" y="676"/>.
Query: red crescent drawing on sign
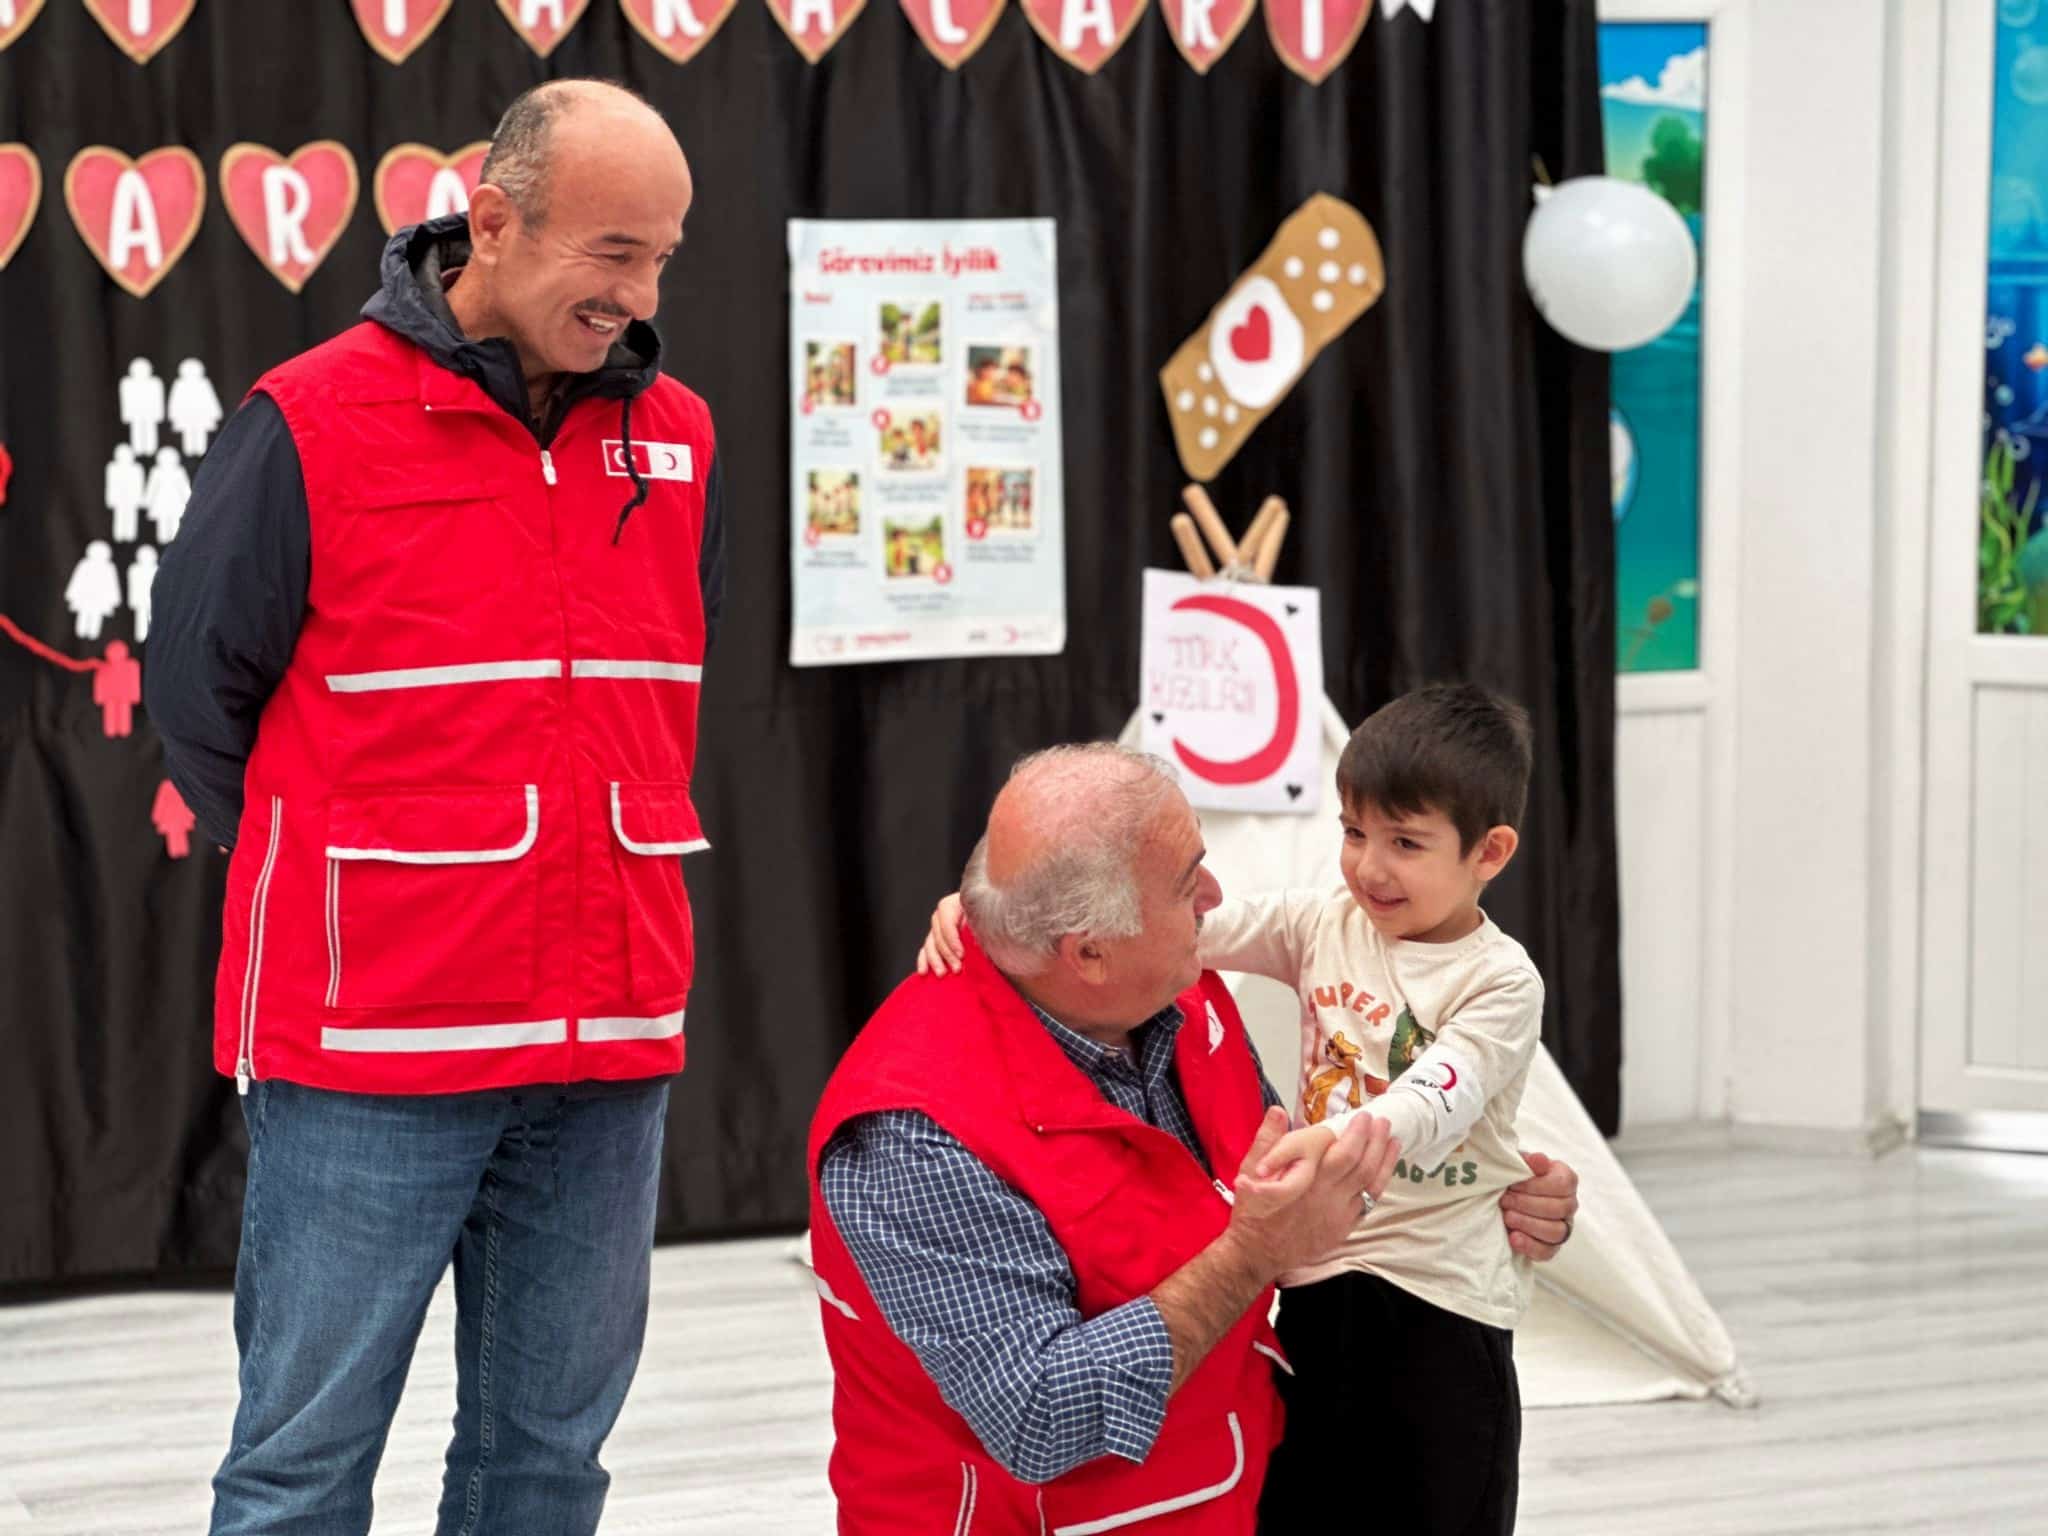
<point x="1270" y="758"/>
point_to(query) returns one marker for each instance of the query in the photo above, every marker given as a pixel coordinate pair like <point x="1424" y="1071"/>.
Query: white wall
<point x="1768" y="806"/>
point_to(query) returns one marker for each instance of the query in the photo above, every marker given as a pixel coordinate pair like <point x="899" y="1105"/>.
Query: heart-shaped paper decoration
<point x="678" y="28"/>
<point x="1203" y="30"/>
<point x="290" y="211"/>
<point x="543" y="23"/>
<point x="953" y="30"/>
<point x="395" y="28"/>
<point x="1086" y="33"/>
<point x="12" y="26"/>
<point x="1313" y="37"/>
<point x="21" y="193"/>
<point x="137" y="216"/>
<point x="814" y="25"/>
<point x="140" y="27"/>
<point x="416" y="182"/>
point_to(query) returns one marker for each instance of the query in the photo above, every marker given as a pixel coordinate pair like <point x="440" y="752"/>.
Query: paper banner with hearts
<point x="1086" y="33"/>
<point x="12" y="25"/>
<point x="140" y="28"/>
<point x="416" y="182"/>
<point x="679" y="29"/>
<point x="814" y="25"/>
<point x="290" y="211"/>
<point x="1203" y="30"/>
<point x="543" y="23"/>
<point x="395" y="28"/>
<point x="137" y="216"/>
<point x="1313" y="37"/>
<point x="953" y="30"/>
<point x="21" y="193"/>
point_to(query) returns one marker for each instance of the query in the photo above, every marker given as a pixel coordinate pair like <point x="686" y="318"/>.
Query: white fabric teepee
<point x="1617" y="1317"/>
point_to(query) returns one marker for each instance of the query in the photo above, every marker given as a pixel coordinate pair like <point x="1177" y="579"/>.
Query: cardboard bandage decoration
<point x="1321" y="272"/>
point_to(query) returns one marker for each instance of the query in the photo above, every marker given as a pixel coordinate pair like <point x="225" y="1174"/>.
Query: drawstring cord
<point x="632" y="469"/>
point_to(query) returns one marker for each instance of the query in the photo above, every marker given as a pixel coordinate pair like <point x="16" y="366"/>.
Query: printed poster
<point x="927" y="504"/>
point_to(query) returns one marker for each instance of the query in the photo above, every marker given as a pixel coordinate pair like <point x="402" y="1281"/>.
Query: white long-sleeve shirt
<point x="1435" y="1038"/>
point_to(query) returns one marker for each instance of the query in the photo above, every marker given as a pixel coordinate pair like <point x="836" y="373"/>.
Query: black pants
<point x="1400" y="1412"/>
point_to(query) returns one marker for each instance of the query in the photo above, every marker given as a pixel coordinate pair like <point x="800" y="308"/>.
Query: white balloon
<point x="1609" y="264"/>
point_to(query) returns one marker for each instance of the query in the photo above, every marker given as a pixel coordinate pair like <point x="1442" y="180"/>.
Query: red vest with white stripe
<point x="457" y="864"/>
<point x="1129" y="1206"/>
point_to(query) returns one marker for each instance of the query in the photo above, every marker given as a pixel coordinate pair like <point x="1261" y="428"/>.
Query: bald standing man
<point x="426" y="657"/>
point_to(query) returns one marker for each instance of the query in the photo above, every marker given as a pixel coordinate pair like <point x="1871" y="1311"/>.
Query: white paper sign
<point x="1232" y="689"/>
<point x="925" y="461"/>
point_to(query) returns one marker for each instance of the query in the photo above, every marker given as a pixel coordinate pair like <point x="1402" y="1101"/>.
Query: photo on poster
<point x="910" y="335"/>
<point x="829" y="374"/>
<point x="1000" y="501"/>
<point x="999" y="376"/>
<point x="913" y="546"/>
<point x="910" y="443"/>
<point x="832" y="503"/>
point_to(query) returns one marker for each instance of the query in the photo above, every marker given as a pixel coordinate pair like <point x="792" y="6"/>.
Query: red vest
<point x="457" y="860"/>
<point x="1129" y="1206"/>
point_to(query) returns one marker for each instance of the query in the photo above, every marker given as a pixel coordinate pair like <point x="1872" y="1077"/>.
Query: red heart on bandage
<point x="1253" y="341"/>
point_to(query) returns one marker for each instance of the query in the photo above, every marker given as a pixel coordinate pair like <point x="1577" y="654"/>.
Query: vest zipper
<point x="547" y="466"/>
<point x="1223" y="1189"/>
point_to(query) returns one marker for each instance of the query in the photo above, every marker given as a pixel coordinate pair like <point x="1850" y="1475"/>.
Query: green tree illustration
<point x="1672" y="169"/>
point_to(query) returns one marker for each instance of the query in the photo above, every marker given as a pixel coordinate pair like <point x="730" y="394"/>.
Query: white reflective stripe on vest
<point x="694" y="845"/>
<point x="1275" y="1356"/>
<point x="1164" y="1506"/>
<point x="436" y="677"/>
<point x="453" y="1037"/>
<point x="663" y="1027"/>
<point x="660" y="671"/>
<point x="517" y="850"/>
<point x="970" y="1488"/>
<point x="831" y="1299"/>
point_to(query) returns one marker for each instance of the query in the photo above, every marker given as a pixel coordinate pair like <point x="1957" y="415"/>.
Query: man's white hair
<point x="1100" y="800"/>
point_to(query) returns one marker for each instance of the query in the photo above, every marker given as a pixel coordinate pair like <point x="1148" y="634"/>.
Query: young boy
<point x="1416" y="1008"/>
<point x="1403" y="1404"/>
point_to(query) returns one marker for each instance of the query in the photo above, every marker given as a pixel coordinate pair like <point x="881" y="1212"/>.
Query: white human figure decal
<point x="125" y="490"/>
<point x="165" y="497"/>
<point x="95" y="589"/>
<point x="142" y="406"/>
<point x="195" y="408"/>
<point x="141" y="577"/>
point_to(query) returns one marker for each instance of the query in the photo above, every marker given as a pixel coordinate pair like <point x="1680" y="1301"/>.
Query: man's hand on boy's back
<point x="1539" y="1211"/>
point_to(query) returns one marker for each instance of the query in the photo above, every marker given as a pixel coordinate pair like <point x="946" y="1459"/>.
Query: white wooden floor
<point x="1894" y="1316"/>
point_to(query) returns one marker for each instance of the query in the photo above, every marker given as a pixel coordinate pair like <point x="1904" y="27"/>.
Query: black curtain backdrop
<point x="1445" y="460"/>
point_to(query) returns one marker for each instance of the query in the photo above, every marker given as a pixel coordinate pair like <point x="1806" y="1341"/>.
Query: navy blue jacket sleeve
<point x="227" y="604"/>
<point x="711" y="550"/>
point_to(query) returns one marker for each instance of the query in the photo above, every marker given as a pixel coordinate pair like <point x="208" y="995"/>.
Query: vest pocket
<point x="432" y="897"/>
<point x="653" y="823"/>
<point x="1189" y="1465"/>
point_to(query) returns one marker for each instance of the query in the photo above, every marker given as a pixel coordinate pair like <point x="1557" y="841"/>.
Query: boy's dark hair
<point x="1450" y="747"/>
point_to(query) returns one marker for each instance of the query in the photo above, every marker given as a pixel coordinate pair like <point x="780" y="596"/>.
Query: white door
<point x="1984" y="988"/>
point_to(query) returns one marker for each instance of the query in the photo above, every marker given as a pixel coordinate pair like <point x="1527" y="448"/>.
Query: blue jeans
<point x="356" y="1203"/>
